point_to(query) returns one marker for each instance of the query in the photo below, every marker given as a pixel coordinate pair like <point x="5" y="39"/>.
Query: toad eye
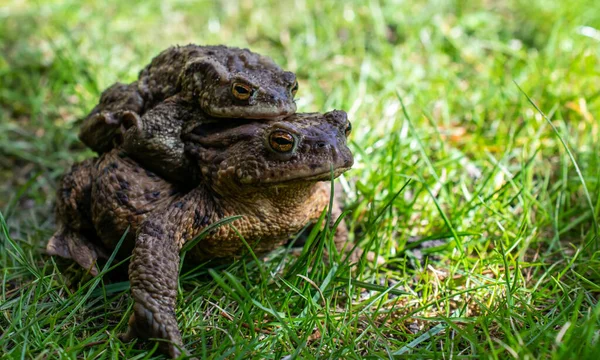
<point x="282" y="141"/>
<point x="294" y="88"/>
<point x="348" y="129"/>
<point x="242" y="91"/>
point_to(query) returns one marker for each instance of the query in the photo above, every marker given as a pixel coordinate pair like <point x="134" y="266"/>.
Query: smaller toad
<point x="224" y="82"/>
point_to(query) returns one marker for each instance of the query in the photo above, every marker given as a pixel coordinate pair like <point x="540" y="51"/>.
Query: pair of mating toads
<point x="206" y="132"/>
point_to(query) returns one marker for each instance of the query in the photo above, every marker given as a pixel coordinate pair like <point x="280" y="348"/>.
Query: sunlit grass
<point x="484" y="207"/>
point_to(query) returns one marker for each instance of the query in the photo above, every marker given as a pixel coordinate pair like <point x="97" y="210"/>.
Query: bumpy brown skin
<point x="75" y="237"/>
<point x="244" y="172"/>
<point x="203" y="76"/>
<point x="154" y="140"/>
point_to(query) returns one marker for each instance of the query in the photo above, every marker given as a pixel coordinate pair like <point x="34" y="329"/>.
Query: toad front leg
<point x="154" y="269"/>
<point x="153" y="273"/>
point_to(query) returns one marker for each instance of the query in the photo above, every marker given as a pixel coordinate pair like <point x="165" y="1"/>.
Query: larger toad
<point x="222" y="81"/>
<point x="272" y="173"/>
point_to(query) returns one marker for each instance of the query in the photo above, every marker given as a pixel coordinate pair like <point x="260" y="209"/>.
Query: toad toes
<point x="222" y="81"/>
<point x="274" y="174"/>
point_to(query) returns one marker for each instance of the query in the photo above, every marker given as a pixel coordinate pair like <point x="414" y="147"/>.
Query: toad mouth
<point x="307" y="176"/>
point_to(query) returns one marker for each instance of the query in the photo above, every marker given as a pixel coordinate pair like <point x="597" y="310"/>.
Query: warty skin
<point x="273" y="173"/>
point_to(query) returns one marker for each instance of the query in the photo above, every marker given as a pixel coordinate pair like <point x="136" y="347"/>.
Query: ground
<point x="477" y="179"/>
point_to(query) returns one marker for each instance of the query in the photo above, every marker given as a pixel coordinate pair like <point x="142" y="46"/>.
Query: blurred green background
<point x="492" y="177"/>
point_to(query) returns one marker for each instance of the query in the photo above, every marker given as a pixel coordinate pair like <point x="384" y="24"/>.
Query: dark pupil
<point x="281" y="140"/>
<point x="241" y="90"/>
<point x="349" y="127"/>
<point x="295" y="86"/>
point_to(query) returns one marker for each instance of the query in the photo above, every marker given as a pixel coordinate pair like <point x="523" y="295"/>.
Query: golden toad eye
<point x="241" y="91"/>
<point x="348" y="129"/>
<point x="294" y="88"/>
<point x="282" y="141"/>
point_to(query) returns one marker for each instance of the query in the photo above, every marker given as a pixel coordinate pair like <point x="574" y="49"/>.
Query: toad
<point x="225" y="82"/>
<point x="274" y="174"/>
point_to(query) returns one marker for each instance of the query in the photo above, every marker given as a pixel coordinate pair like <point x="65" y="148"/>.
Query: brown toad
<point x="273" y="173"/>
<point x="223" y="81"/>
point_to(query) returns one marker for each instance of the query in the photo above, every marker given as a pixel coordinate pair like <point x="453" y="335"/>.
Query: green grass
<point x="511" y="193"/>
